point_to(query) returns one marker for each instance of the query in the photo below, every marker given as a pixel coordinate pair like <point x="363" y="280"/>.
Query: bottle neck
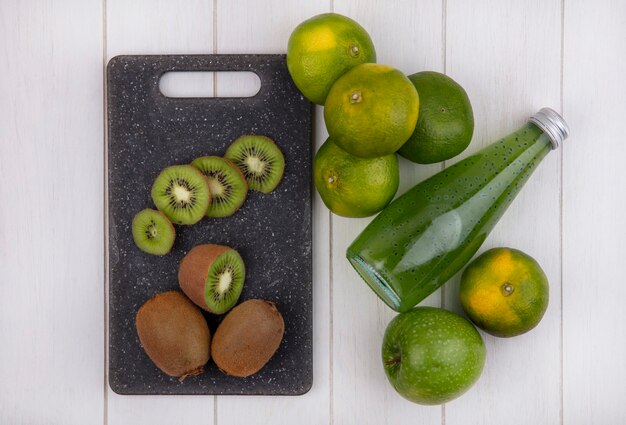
<point x="552" y="124"/>
<point x="539" y="138"/>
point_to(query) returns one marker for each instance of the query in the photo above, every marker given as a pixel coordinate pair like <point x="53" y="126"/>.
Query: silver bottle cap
<point x="552" y="124"/>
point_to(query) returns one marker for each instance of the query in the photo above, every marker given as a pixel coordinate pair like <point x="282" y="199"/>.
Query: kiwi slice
<point x="174" y="334"/>
<point x="247" y="338"/>
<point x="153" y="232"/>
<point x="260" y="161"/>
<point x="212" y="276"/>
<point x="182" y="193"/>
<point x="227" y="185"/>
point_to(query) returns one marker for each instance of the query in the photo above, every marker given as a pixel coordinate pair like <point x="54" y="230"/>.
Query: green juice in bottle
<point x="424" y="237"/>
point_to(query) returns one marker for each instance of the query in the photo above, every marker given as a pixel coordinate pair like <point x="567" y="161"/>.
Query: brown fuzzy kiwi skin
<point x="174" y="334"/>
<point x="194" y="268"/>
<point x="247" y="338"/>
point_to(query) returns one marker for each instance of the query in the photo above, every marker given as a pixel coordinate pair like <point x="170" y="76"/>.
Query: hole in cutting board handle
<point x="202" y="84"/>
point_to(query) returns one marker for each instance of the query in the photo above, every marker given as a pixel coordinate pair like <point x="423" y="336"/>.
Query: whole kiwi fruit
<point x="247" y="338"/>
<point x="174" y="334"/>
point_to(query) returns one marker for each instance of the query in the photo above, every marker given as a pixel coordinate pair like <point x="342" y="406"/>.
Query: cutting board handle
<point x="263" y="65"/>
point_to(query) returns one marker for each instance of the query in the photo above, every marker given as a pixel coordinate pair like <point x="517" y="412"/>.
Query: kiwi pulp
<point x="212" y="276"/>
<point x="174" y="334"/>
<point x="247" y="338"/>
<point x="182" y="193"/>
<point x="259" y="159"/>
<point x="153" y="232"/>
<point x="227" y="185"/>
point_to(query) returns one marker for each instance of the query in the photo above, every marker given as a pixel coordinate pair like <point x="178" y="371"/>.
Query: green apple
<point x="431" y="355"/>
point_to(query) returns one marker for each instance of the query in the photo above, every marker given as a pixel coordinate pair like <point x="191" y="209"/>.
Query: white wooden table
<point x="512" y="57"/>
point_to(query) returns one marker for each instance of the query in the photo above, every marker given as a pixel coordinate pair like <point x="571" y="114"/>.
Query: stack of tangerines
<point x="371" y="112"/>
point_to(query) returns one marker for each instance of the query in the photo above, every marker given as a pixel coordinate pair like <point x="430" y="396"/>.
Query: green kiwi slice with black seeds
<point x="153" y="232"/>
<point x="259" y="159"/>
<point x="212" y="276"/>
<point x="224" y="282"/>
<point x="182" y="193"/>
<point x="227" y="185"/>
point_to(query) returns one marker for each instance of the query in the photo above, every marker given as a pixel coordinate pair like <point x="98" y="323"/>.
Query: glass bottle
<point x="420" y="240"/>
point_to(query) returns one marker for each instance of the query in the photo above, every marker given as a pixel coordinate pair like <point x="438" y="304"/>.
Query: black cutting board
<point x="148" y="132"/>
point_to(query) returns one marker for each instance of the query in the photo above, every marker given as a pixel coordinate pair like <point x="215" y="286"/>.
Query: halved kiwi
<point x="259" y="159"/>
<point x="247" y="338"/>
<point x="174" y="334"/>
<point x="153" y="232"/>
<point x="182" y="193"/>
<point x="212" y="276"/>
<point x="227" y="185"/>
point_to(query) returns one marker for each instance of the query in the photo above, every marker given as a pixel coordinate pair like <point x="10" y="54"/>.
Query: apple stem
<point x="392" y="361"/>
